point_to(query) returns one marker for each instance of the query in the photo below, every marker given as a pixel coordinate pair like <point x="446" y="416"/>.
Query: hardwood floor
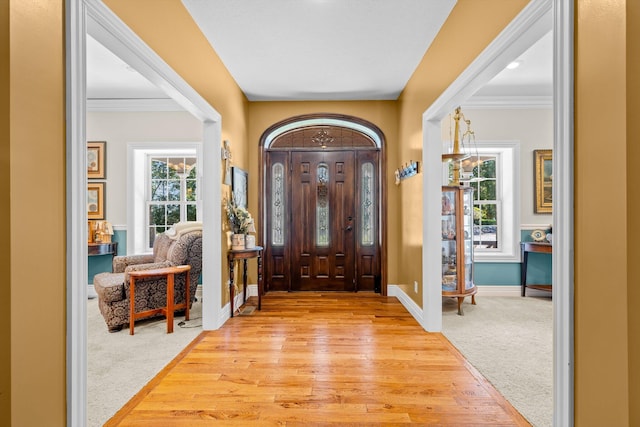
<point x="319" y="359"/>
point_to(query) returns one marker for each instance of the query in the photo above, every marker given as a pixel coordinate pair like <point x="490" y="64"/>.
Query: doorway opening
<point x="321" y="206"/>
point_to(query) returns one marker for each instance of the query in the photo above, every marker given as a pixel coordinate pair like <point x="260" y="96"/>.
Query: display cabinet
<point x="457" y="244"/>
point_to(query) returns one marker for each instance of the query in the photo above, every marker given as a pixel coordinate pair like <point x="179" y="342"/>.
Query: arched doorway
<point x="321" y="204"/>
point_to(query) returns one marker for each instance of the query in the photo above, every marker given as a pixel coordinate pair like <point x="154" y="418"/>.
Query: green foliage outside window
<point x="485" y="211"/>
<point x="168" y="202"/>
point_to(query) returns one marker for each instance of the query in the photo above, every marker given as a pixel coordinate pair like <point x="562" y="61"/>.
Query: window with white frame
<point x="163" y="183"/>
<point x="496" y="182"/>
<point x="171" y="193"/>
<point x="486" y="202"/>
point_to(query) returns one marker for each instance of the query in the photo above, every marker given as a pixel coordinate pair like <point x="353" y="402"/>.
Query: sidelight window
<point x="367" y="208"/>
<point x="277" y="204"/>
<point x="322" y="206"/>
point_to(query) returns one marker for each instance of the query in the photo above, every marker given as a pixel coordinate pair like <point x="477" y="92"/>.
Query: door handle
<point x="349" y="228"/>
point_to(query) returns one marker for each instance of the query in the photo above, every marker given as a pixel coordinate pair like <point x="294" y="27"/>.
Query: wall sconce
<point x="407" y="171"/>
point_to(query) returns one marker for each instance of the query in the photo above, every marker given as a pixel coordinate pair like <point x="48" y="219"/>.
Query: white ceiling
<point x="318" y="50"/>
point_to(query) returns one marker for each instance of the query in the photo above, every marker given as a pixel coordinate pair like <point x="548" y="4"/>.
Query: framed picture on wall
<point x="96" y="159"/>
<point x="95" y="200"/>
<point x="239" y="186"/>
<point x="543" y="169"/>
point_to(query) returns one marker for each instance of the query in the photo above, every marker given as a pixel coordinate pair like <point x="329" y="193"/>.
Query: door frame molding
<point x="93" y="17"/>
<point x="329" y="119"/>
<point x="536" y="19"/>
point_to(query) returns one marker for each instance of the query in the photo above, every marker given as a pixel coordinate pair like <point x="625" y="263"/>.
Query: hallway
<point x="319" y="358"/>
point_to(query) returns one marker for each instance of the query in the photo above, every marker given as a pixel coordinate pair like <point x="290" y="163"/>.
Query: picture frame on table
<point x="543" y="181"/>
<point x="239" y="186"/>
<point x="96" y="200"/>
<point x="96" y="159"/>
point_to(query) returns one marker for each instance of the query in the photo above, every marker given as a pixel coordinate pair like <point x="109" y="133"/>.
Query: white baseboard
<point x="411" y="306"/>
<point x="91" y="292"/>
<point x="508" y="291"/>
<point x="252" y="291"/>
<point x="498" y="291"/>
<point x="483" y="291"/>
<point x="225" y="313"/>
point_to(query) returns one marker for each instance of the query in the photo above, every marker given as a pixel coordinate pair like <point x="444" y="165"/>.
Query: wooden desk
<point x="244" y="255"/>
<point x="169" y="273"/>
<point x="525" y="249"/>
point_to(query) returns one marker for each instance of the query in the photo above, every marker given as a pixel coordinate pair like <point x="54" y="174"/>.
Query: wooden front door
<point x="322" y="218"/>
<point x="321" y="211"/>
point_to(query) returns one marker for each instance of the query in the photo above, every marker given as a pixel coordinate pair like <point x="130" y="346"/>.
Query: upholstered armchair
<point x="178" y="246"/>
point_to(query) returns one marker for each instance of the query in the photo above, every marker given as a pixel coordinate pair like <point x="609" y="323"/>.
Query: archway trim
<point x="300" y="122"/>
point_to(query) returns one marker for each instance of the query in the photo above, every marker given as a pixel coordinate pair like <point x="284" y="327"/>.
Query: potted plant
<point x="240" y="223"/>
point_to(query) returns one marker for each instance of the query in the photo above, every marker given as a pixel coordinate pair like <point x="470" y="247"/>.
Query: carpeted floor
<point x="510" y="341"/>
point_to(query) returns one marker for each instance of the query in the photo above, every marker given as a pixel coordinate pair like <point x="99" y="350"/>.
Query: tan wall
<point x="601" y="352"/>
<point x="5" y="219"/>
<point x="381" y="113"/>
<point x="601" y="325"/>
<point x="187" y="51"/>
<point x="633" y="206"/>
<point x="37" y="213"/>
<point x="471" y="26"/>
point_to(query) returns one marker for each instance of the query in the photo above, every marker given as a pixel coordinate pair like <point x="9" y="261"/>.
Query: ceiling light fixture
<point x="513" y="65"/>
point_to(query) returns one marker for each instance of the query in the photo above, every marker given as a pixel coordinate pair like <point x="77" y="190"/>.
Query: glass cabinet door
<point x="468" y="237"/>
<point x="457" y="240"/>
<point x="457" y="243"/>
<point x="449" y="247"/>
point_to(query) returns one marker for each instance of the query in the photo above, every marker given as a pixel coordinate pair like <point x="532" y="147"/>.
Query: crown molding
<point x="510" y="102"/>
<point x="131" y="105"/>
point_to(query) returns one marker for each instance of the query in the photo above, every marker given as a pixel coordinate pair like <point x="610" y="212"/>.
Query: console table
<point x="94" y="249"/>
<point x="525" y="249"/>
<point x="244" y="255"/>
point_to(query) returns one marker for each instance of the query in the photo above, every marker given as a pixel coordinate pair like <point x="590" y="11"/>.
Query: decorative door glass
<point x="277" y="204"/>
<point x="322" y="206"/>
<point x="367" y="208"/>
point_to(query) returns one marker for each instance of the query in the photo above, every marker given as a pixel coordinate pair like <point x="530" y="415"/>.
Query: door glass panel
<point x="367" y="208"/>
<point x="277" y="204"/>
<point x="322" y="206"/>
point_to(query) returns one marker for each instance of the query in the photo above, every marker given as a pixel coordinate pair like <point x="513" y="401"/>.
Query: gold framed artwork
<point x="95" y="200"/>
<point x="543" y="169"/>
<point x="96" y="156"/>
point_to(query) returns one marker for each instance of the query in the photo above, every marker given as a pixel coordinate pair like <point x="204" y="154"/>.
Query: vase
<point x="249" y="241"/>
<point x="237" y="242"/>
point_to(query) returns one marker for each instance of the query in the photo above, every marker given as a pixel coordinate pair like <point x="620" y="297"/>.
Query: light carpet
<point x="510" y="341"/>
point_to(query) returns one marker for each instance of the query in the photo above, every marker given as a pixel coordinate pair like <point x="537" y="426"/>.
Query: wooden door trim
<point x="330" y="119"/>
